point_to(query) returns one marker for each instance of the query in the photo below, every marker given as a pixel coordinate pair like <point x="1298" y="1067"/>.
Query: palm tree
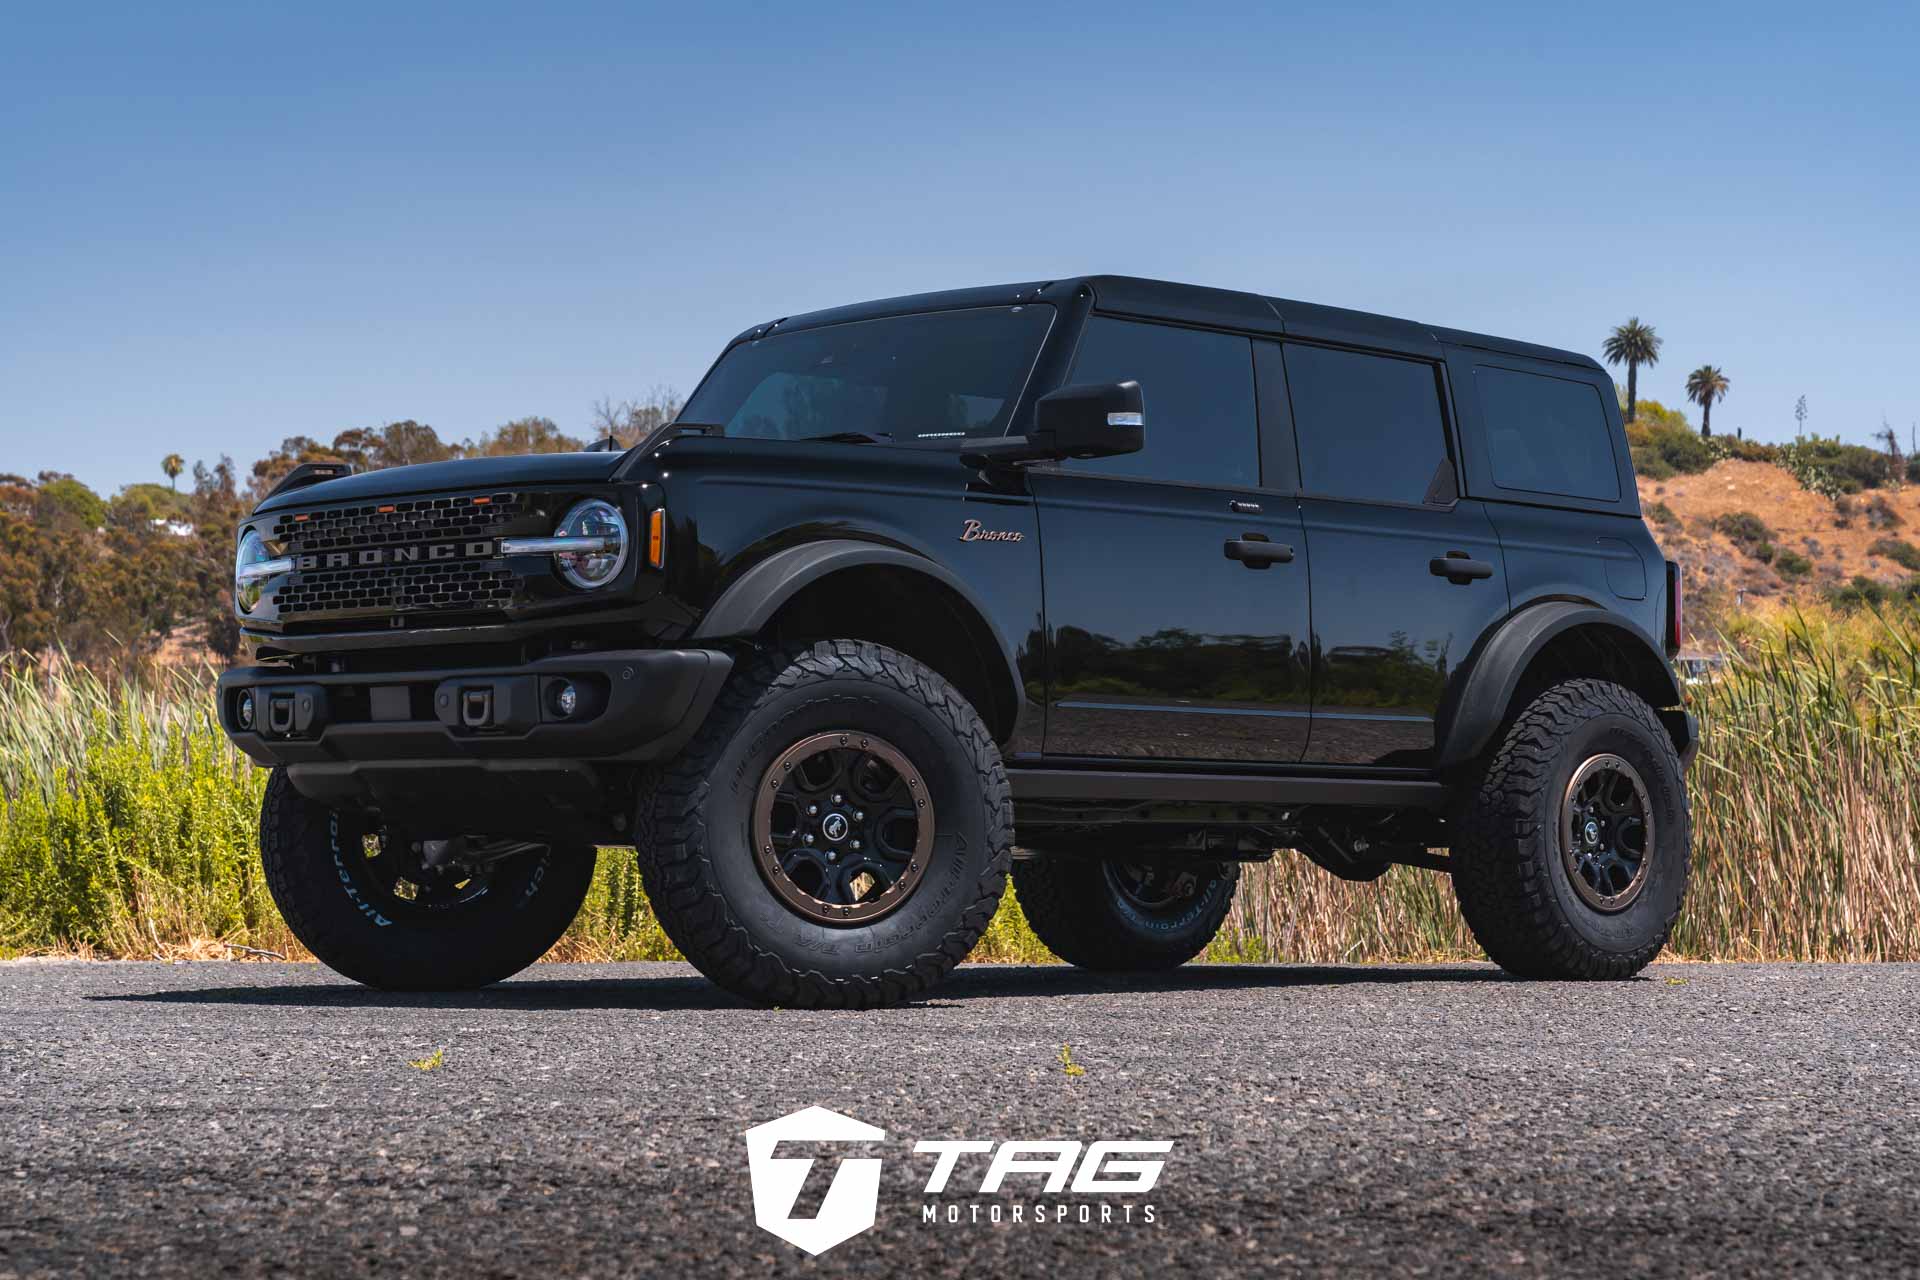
<point x="173" y="464"/>
<point x="1705" y="385"/>
<point x="1632" y="344"/>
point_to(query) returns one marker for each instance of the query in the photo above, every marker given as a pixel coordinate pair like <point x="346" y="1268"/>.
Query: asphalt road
<point x="241" y="1119"/>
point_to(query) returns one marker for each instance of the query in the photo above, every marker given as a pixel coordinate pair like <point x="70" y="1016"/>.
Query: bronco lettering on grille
<point x="368" y="557"/>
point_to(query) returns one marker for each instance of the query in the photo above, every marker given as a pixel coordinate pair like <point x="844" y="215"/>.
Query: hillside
<point x="1748" y="531"/>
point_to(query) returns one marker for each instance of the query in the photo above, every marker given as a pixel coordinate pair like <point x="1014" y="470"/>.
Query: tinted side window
<point x="1198" y="389"/>
<point x="1547" y="435"/>
<point x="1369" y="427"/>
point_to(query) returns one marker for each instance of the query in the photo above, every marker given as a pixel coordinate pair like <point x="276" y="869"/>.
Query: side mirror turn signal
<point x="1087" y="421"/>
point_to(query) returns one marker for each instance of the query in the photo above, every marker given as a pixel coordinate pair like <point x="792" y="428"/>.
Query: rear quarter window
<point x="1547" y="435"/>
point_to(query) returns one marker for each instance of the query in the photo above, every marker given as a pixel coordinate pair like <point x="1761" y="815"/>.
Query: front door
<point x="1406" y="575"/>
<point x="1175" y="585"/>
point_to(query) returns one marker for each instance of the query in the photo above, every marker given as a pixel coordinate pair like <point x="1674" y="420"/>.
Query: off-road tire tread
<point x="292" y="827"/>
<point x="1497" y="874"/>
<point x="1058" y="893"/>
<point x="676" y="866"/>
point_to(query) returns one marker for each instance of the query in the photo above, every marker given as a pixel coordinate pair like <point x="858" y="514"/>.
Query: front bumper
<point x="485" y="744"/>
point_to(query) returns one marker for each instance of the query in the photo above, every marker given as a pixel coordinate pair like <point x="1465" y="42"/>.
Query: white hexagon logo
<point x="852" y="1197"/>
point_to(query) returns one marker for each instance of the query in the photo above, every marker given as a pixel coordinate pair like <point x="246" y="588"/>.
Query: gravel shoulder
<point x="206" y="1118"/>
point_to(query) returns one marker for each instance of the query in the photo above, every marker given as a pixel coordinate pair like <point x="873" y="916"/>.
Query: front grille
<point x="446" y="559"/>
<point x="411" y="588"/>
<point x="392" y="523"/>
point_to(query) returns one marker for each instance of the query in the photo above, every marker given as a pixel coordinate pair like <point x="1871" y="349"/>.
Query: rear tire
<point x="346" y="906"/>
<point x="1113" y="915"/>
<point x="807" y="754"/>
<point x="1571" y="855"/>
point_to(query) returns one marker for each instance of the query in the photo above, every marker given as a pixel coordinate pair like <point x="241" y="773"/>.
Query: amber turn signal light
<point x="657" y="537"/>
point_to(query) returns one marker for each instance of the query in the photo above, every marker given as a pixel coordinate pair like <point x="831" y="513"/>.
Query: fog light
<point x="566" y="699"/>
<point x="246" y="710"/>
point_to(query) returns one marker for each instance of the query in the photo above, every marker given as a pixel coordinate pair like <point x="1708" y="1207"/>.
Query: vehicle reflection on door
<point x="1161" y="645"/>
<point x="1389" y="630"/>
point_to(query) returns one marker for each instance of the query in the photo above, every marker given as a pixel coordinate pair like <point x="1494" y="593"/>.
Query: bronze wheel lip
<point x="760" y="831"/>
<point x="1591" y="831"/>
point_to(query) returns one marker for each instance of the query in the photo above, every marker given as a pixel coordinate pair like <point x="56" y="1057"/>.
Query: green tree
<point x="1632" y="344"/>
<point x="173" y="464"/>
<point x="402" y="444"/>
<point x="1704" y="386"/>
<point x="25" y="622"/>
<point x="63" y="497"/>
<point x="523" y="436"/>
<point x="273" y="468"/>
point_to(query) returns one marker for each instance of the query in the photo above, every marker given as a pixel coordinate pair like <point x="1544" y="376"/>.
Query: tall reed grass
<point x="127" y="825"/>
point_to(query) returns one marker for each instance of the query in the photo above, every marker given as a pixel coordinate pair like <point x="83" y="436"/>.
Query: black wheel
<point x="835" y="836"/>
<point x="1115" y="914"/>
<point x="365" y="901"/>
<point x="1571" y="855"/>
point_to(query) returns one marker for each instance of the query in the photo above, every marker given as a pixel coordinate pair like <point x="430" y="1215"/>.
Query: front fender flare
<point x="752" y="599"/>
<point x="1478" y="701"/>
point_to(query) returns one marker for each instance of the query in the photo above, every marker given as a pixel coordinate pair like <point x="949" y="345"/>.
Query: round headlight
<point x="593" y="519"/>
<point x="246" y="586"/>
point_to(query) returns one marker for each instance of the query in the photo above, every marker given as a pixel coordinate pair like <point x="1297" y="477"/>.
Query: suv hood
<point x="461" y="473"/>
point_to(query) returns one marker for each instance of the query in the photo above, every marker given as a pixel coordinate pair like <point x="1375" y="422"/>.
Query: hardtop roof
<point x="1187" y="303"/>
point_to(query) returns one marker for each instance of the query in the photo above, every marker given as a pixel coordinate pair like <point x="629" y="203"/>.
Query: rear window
<point x="941" y="375"/>
<point x="1547" y="435"/>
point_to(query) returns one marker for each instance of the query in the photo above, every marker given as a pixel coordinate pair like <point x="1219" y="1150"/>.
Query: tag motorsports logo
<point x="852" y="1200"/>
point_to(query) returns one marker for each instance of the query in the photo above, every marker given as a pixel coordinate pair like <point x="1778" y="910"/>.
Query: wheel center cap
<point x="1591" y="831"/>
<point x="835" y="827"/>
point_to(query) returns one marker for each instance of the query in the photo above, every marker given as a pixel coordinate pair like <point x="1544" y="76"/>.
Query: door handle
<point x="1255" y="552"/>
<point x="1459" y="568"/>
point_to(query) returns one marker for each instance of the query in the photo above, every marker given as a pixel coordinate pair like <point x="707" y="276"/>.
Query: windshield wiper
<point x="849" y="437"/>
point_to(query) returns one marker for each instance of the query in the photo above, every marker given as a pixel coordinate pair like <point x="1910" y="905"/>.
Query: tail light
<point x="1676" y="617"/>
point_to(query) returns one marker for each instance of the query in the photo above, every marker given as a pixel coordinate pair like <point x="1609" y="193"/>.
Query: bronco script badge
<point x="973" y="532"/>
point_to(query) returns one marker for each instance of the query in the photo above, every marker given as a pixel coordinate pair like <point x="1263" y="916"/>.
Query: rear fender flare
<point x="1480" y="699"/>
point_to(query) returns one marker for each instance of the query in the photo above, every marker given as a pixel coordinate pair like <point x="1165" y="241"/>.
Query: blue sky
<point x="223" y="226"/>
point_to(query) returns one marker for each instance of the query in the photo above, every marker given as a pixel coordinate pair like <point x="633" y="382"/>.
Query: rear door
<point x="1406" y="574"/>
<point x="1176" y="584"/>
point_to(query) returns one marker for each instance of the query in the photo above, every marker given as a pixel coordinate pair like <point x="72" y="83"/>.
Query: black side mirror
<point x="1096" y="420"/>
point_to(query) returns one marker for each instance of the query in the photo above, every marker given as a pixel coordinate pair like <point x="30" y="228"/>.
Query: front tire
<point x="835" y="836"/>
<point x="1571" y="855"/>
<point x="1116" y="915"/>
<point x="362" y="903"/>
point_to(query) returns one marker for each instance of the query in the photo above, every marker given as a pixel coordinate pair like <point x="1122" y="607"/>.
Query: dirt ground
<point x="1834" y="536"/>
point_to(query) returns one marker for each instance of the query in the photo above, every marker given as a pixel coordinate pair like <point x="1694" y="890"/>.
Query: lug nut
<point x="858" y="816"/>
<point x="832" y="856"/>
<point x="812" y="810"/>
<point x="838" y="798"/>
<point x="856" y="844"/>
<point x="807" y="838"/>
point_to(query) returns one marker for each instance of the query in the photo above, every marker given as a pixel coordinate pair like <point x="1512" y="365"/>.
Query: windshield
<point x="942" y="375"/>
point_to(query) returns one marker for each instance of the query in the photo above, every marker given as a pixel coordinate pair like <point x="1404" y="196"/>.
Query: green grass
<point x="127" y="826"/>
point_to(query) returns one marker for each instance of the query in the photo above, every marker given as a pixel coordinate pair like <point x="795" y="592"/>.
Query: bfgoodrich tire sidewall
<point x="315" y="871"/>
<point x="1194" y="922"/>
<point x="1648" y="917"/>
<point x="961" y="846"/>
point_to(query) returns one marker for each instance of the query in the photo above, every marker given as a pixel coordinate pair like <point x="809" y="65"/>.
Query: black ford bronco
<point x="1107" y="584"/>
